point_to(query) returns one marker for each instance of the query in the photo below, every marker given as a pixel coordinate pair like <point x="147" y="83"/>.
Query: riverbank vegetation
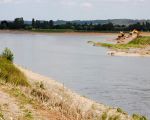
<point x="140" y="42"/>
<point x="51" y="26"/>
<point x="8" y="72"/>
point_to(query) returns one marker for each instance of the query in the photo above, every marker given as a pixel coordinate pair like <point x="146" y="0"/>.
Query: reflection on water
<point x="116" y="81"/>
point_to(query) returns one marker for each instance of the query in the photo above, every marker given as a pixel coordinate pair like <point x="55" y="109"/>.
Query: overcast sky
<point x="74" y="9"/>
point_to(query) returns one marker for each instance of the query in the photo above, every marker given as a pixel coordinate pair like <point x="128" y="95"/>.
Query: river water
<point x="116" y="81"/>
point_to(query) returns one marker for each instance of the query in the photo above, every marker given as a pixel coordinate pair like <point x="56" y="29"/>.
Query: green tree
<point x="19" y="23"/>
<point x="51" y="24"/>
<point x="33" y="23"/>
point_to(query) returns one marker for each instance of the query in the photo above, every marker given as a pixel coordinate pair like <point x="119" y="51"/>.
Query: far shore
<point x="65" y="33"/>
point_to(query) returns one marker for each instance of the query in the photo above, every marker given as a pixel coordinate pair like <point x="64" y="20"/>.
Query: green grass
<point x="119" y="46"/>
<point x="104" y="116"/>
<point x="28" y="115"/>
<point x="138" y="117"/>
<point x="10" y="74"/>
<point x="52" y="30"/>
<point x="1" y="116"/>
<point x="120" y="111"/>
<point x="22" y="98"/>
<point x="140" y="42"/>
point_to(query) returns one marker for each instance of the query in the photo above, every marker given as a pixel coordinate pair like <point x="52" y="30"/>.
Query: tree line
<point x="19" y="23"/>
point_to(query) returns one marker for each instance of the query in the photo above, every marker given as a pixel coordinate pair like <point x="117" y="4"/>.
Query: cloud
<point x="68" y="2"/>
<point x="87" y="5"/>
<point x="20" y="1"/>
<point x="122" y="0"/>
<point x="6" y="1"/>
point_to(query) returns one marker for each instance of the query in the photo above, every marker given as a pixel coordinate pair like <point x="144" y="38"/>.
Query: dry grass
<point x="9" y="73"/>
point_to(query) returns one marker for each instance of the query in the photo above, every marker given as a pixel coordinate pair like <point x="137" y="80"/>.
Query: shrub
<point x="138" y="117"/>
<point x="120" y="110"/>
<point x="8" y="54"/>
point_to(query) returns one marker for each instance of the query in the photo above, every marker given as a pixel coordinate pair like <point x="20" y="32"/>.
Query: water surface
<point x="115" y="81"/>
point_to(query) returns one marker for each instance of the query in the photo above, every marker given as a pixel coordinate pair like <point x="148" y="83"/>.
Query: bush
<point x="8" y="54"/>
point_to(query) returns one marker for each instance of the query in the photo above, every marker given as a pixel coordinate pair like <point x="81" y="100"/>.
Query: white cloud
<point x="20" y="1"/>
<point x="68" y="2"/>
<point x="87" y="5"/>
<point x="6" y="1"/>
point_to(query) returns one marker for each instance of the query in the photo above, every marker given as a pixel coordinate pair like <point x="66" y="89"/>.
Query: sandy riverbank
<point x="74" y="33"/>
<point x="126" y="54"/>
<point x="62" y="33"/>
<point x="80" y="108"/>
<point x="132" y="52"/>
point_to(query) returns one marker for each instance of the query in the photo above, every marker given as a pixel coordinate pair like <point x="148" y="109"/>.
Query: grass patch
<point x="121" y="111"/>
<point x="28" y="114"/>
<point x="52" y="30"/>
<point x="140" y="42"/>
<point x="114" y="117"/>
<point x="1" y="116"/>
<point x="104" y="116"/>
<point x="10" y="74"/>
<point x="17" y="93"/>
<point x="138" y="117"/>
<point x="119" y="46"/>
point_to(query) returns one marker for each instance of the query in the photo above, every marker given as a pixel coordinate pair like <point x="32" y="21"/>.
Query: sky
<point x="74" y="9"/>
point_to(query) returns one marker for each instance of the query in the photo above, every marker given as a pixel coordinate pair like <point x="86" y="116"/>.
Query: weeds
<point x="40" y="85"/>
<point x="40" y="95"/>
<point x="138" y="117"/>
<point x="121" y="111"/>
<point x="114" y="117"/>
<point x="17" y="93"/>
<point x="1" y="116"/>
<point x="9" y="73"/>
<point x="28" y="114"/>
<point x="104" y="116"/>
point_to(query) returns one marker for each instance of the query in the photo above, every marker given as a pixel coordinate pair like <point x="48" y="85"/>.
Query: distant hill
<point x="114" y="21"/>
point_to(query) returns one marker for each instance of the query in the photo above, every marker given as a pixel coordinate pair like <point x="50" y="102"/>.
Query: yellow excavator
<point x="135" y="32"/>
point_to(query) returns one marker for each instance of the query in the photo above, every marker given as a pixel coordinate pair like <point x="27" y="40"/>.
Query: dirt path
<point x="12" y="108"/>
<point x="8" y="107"/>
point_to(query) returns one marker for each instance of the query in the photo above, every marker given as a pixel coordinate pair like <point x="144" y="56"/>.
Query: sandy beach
<point x="126" y="54"/>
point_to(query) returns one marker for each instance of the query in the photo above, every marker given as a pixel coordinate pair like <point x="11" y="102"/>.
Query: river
<point x="116" y="81"/>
